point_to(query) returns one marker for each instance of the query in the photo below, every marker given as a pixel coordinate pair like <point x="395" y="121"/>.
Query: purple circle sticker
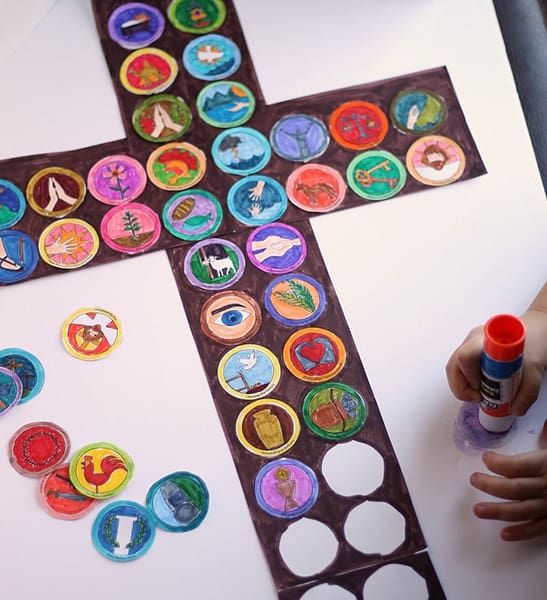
<point x="130" y="228"/>
<point x="276" y="248"/>
<point x="214" y="264"/>
<point x="135" y="25"/>
<point x="116" y="179"/>
<point x="286" y="488"/>
<point x="11" y="390"/>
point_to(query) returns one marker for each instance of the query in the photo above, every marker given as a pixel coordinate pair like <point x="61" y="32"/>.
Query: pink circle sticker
<point x="116" y="179"/>
<point x="130" y="228"/>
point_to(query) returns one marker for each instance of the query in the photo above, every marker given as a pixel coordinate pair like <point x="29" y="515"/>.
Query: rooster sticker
<point x="100" y="470"/>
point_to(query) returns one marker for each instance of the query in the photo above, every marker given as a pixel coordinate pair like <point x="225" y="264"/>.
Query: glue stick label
<point x="499" y="384"/>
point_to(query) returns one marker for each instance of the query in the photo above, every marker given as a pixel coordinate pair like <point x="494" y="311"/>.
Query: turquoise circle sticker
<point x="241" y="151"/>
<point x="27" y="367"/>
<point x="376" y="175"/>
<point x="12" y="204"/>
<point x="211" y="57"/>
<point x="192" y="215"/>
<point x="257" y="200"/>
<point x="179" y="501"/>
<point x="225" y="104"/>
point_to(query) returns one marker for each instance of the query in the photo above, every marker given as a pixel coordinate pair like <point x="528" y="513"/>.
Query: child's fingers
<point x="463" y="371"/>
<point x="528" y="391"/>
<point x="524" y="531"/>
<point x="526" y="464"/>
<point x="542" y="442"/>
<point x="520" y="488"/>
<point x="523" y="510"/>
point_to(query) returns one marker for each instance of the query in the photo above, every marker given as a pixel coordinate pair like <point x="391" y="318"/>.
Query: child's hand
<point x="523" y="480"/>
<point x="463" y="367"/>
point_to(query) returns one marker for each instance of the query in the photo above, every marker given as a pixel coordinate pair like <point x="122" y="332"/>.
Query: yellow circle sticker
<point x="314" y="354"/>
<point x="68" y="244"/>
<point x="100" y="470"/>
<point x="148" y="71"/>
<point x="267" y="427"/>
<point x="55" y="191"/>
<point x="91" y="333"/>
<point x="249" y="372"/>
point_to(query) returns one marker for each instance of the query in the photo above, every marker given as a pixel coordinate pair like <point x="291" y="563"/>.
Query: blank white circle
<point x="394" y="582"/>
<point x="326" y="591"/>
<point x="353" y="468"/>
<point x="308" y="547"/>
<point x="375" y="528"/>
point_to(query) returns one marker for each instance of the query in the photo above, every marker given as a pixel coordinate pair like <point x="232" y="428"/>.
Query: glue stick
<point x="501" y="370"/>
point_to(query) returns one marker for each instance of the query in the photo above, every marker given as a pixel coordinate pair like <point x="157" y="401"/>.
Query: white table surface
<point x="436" y="264"/>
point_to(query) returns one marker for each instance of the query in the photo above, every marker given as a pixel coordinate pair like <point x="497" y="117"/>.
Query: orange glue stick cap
<point x="504" y="337"/>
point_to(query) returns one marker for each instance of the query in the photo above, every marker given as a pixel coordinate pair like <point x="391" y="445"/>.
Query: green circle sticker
<point x="192" y="215"/>
<point x="334" y="411"/>
<point x="197" y="16"/>
<point x="162" y="118"/>
<point x="376" y="175"/>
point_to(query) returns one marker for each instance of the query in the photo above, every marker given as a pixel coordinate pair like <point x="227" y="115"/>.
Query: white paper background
<point x="434" y="265"/>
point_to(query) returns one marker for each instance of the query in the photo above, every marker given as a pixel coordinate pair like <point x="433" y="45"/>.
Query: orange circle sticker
<point x="358" y="125"/>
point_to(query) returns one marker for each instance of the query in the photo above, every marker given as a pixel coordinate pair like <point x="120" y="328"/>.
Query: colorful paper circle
<point x="376" y="175"/>
<point x="257" y="200"/>
<point x="286" y="488"/>
<point x="358" y="125"/>
<point x="68" y="244"/>
<point x="211" y="57"/>
<point x="299" y="138"/>
<point x="116" y="179"/>
<point x="214" y="264"/>
<point x="241" y="151"/>
<point x="176" y="166"/>
<point x="123" y="531"/>
<point x="197" y="16"/>
<point x="295" y="299"/>
<point x="162" y="118"/>
<point x="230" y="317"/>
<point x="334" y="411"/>
<point x="130" y="228"/>
<point x="316" y="188"/>
<point x="59" y="498"/>
<point x="148" y="71"/>
<point x="12" y="204"/>
<point x="27" y="367"/>
<point x="38" y="448"/>
<point x="192" y="215"/>
<point x="135" y="25"/>
<point x="55" y="192"/>
<point x="267" y="427"/>
<point x="11" y="390"/>
<point x="249" y="372"/>
<point x="91" y="333"/>
<point x="18" y="256"/>
<point x="314" y="354"/>
<point x="418" y="111"/>
<point x="225" y="104"/>
<point x="179" y="501"/>
<point x="276" y="248"/>
<point x="100" y="470"/>
<point x="435" y="160"/>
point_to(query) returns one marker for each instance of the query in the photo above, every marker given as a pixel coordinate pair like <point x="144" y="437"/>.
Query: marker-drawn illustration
<point x="197" y="16"/>
<point x="130" y="228"/>
<point x="225" y="104"/>
<point x="211" y="57"/>
<point x="214" y="264"/>
<point x="12" y="204"/>
<point x="435" y="160"/>
<point x="276" y="248"/>
<point x="295" y="299"/>
<point x="192" y="215"/>
<point x="11" y="390"/>
<point x="27" y="367"/>
<point x="68" y="244"/>
<point x="59" y="498"/>
<point x="241" y="151"/>
<point x="376" y="175"/>
<point x="148" y="71"/>
<point x="116" y="179"/>
<point x="18" y="256"/>
<point x="299" y="138"/>
<point x="358" y="125"/>
<point x="257" y="200"/>
<point x="418" y="111"/>
<point x="91" y="333"/>
<point x="55" y="191"/>
<point x="176" y="166"/>
<point x="230" y="317"/>
<point x="136" y="25"/>
<point x="316" y="188"/>
<point x="162" y="118"/>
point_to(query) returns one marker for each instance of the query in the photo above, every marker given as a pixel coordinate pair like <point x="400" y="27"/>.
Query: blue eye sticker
<point x="230" y="317"/>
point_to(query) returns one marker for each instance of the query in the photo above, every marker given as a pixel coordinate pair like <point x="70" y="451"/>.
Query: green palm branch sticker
<point x="298" y="295"/>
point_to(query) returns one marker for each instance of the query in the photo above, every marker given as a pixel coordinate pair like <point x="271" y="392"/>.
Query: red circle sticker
<point x="358" y="125"/>
<point x="316" y="188"/>
<point x="38" y="448"/>
<point x="60" y="498"/>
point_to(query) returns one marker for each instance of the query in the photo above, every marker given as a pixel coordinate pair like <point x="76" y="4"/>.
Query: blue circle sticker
<point x="276" y="248"/>
<point x="12" y="204"/>
<point x="257" y="200"/>
<point x="211" y="57"/>
<point x="295" y="299"/>
<point x="225" y="104"/>
<point x="241" y="151"/>
<point x="299" y="138"/>
<point x="123" y="531"/>
<point x="11" y="390"/>
<point x="179" y="501"/>
<point x="286" y="488"/>
<point x="27" y="367"/>
<point x="18" y="256"/>
<point x="135" y="25"/>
